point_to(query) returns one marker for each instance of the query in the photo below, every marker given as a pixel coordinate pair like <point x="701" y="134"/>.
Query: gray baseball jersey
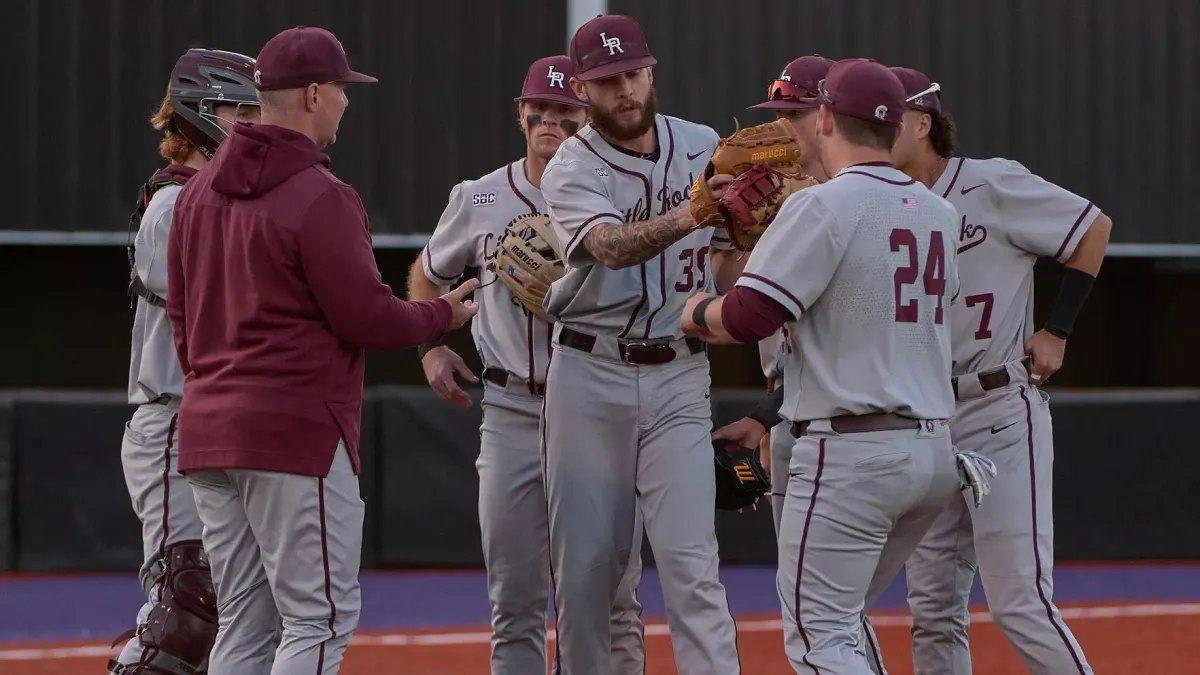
<point x="867" y="265"/>
<point x="506" y="335"/>
<point x="589" y="183"/>
<point x="153" y="365"/>
<point x="1008" y="218"/>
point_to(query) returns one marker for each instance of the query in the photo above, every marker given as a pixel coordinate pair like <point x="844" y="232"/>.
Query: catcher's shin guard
<point x="180" y="630"/>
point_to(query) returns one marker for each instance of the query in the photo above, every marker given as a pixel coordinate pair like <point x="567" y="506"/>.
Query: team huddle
<point x="887" y="282"/>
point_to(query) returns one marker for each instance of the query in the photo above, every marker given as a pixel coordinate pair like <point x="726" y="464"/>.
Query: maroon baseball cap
<point x="607" y="45"/>
<point x="796" y="86"/>
<point x="549" y="79"/>
<point x="920" y="93"/>
<point x="864" y="89"/>
<point x="301" y="56"/>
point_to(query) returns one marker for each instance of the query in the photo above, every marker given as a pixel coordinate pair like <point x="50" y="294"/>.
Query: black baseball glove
<point x="741" y="480"/>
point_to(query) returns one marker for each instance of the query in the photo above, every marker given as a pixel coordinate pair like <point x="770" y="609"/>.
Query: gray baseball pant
<point x="285" y="553"/>
<point x="516" y="540"/>
<point x="1009" y="539"/>
<point x="857" y="504"/>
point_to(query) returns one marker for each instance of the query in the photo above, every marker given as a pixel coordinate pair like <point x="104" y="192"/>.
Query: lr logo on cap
<point x="881" y="112"/>
<point x="613" y="44"/>
<point x="554" y="77"/>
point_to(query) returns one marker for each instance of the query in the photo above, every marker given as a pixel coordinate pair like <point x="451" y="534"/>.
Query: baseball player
<point x="1008" y="218"/>
<point x="627" y="421"/>
<point x="793" y="97"/>
<point x="208" y="91"/>
<point x="863" y="270"/>
<point x="514" y="346"/>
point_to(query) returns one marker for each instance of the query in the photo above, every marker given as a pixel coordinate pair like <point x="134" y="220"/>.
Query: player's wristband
<point x="424" y="349"/>
<point x="767" y="412"/>
<point x="1076" y="285"/>
<point x="698" y="312"/>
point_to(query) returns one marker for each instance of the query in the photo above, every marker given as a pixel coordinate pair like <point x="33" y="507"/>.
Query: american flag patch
<point x="910" y="203"/>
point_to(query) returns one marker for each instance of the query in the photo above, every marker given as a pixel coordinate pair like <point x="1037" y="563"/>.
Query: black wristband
<point x="1076" y="285"/>
<point x="767" y="412"/>
<point x="698" y="312"/>
<point x="424" y="349"/>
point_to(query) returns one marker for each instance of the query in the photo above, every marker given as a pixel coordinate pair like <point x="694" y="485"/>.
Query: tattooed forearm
<point x="620" y="246"/>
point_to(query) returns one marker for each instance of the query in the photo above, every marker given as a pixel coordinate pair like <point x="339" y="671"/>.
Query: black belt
<point x="500" y="378"/>
<point x="635" y="352"/>
<point x="859" y="424"/>
<point x="992" y="379"/>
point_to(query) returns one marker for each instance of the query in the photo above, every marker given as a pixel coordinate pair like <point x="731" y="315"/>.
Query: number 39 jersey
<point x="866" y="263"/>
<point x="1008" y="218"/>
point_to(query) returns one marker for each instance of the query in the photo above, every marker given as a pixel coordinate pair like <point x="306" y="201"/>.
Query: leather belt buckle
<point x="645" y="353"/>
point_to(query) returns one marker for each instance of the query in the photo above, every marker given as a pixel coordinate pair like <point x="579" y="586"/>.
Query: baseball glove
<point x="528" y="260"/>
<point x="752" y="200"/>
<point x="773" y="144"/>
<point x="741" y="480"/>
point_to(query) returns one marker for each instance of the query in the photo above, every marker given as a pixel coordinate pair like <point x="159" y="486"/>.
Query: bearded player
<point x="514" y="345"/>
<point x="1009" y="217"/>
<point x="208" y="91"/>
<point x="627" y="417"/>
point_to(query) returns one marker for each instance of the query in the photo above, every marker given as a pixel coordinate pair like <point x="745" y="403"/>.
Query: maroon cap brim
<point x="615" y="68"/>
<point x="553" y="98"/>
<point x="354" y="77"/>
<point x="810" y="104"/>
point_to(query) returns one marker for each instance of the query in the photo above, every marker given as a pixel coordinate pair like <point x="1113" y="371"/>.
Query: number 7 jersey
<point x="1008" y="218"/>
<point x="867" y="265"/>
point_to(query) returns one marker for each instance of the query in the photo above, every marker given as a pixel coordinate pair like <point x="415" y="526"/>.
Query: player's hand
<point x="689" y="327"/>
<point x="441" y="365"/>
<point x="764" y="454"/>
<point x="462" y="308"/>
<point x="746" y="432"/>
<point x="1047" y="353"/>
<point x="718" y="183"/>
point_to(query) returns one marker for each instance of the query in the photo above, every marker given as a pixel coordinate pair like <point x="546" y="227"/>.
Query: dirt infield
<point x="1118" y="639"/>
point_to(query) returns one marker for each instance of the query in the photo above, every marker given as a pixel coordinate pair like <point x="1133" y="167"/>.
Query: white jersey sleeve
<point x="150" y="246"/>
<point x="451" y="249"/>
<point x="797" y="256"/>
<point x="1038" y="216"/>
<point x="576" y="201"/>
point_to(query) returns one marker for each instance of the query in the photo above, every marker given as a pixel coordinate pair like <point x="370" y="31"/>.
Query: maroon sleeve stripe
<point x="1061" y="249"/>
<point x="777" y="287"/>
<point x="583" y="228"/>
<point x="429" y="264"/>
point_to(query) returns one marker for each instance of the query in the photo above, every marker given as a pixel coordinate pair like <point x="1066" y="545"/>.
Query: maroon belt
<point x="859" y="424"/>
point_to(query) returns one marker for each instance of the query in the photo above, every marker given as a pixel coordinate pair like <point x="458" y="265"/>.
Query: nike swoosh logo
<point x="996" y="431"/>
<point x="691" y="156"/>
<point x="965" y="190"/>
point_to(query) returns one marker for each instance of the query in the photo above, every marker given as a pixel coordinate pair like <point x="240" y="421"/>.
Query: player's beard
<point x="608" y="125"/>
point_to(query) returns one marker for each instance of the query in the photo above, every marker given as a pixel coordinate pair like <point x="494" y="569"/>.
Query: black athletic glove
<point x="741" y="480"/>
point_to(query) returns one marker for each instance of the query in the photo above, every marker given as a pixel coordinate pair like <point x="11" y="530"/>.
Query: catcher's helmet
<point x="203" y="79"/>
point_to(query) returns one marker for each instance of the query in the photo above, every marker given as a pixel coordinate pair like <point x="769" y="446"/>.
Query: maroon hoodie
<point x="273" y="294"/>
